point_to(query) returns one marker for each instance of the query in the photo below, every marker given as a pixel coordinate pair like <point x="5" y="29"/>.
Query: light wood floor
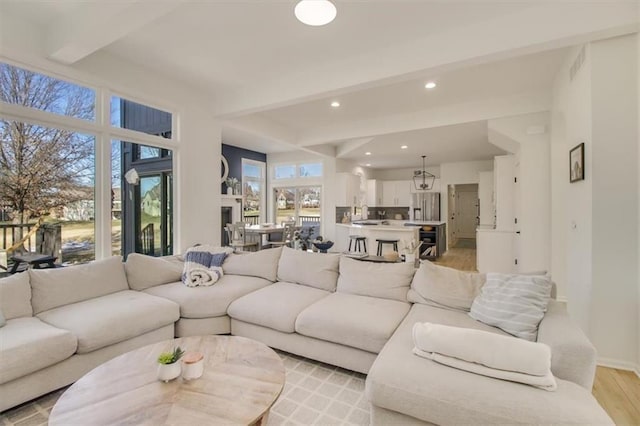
<point x="617" y="391"/>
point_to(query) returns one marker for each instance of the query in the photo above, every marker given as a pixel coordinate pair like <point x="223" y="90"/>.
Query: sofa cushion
<point x="62" y="286"/>
<point x="148" y="271"/>
<point x="358" y="321"/>
<point x="515" y="303"/>
<point x="276" y="306"/>
<point x="319" y="270"/>
<point x="445" y="287"/>
<point x="384" y="280"/>
<point x="261" y="264"/>
<point x="211" y="301"/>
<point x="28" y="345"/>
<point x="403" y="382"/>
<point x="15" y="296"/>
<point x="113" y="318"/>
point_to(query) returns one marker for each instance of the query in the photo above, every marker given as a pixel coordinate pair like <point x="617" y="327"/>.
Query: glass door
<point x="154" y="211"/>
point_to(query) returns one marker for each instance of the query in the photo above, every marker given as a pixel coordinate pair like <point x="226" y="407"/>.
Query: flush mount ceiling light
<point x="404" y="147"/>
<point x="315" y="12"/>
<point x="367" y="153"/>
<point x="422" y="179"/>
<point x="335" y="104"/>
<point x="368" y="164"/>
<point x="430" y="85"/>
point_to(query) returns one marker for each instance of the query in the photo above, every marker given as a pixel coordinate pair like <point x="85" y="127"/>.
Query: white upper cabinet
<point x="347" y="190"/>
<point x="374" y="193"/>
<point x="396" y="193"/>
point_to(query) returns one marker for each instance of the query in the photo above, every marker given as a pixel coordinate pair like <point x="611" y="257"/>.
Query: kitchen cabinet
<point x="374" y="193"/>
<point x="396" y="193"/>
<point x="485" y="198"/>
<point x="348" y="190"/>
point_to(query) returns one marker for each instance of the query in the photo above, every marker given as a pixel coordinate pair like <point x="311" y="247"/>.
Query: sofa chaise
<point x="357" y="315"/>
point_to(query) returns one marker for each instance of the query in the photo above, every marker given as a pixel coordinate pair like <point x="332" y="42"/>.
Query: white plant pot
<point x="229" y="190"/>
<point x="168" y="372"/>
<point x="410" y="257"/>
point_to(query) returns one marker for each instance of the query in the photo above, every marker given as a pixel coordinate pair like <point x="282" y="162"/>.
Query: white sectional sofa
<point x="63" y="322"/>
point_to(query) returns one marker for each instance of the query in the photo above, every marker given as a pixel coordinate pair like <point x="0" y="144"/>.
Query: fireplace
<point x="231" y="213"/>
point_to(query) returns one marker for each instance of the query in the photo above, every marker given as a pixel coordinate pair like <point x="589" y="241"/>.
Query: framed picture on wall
<point x="576" y="163"/>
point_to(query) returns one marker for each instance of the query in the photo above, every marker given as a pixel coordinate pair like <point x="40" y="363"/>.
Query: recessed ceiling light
<point x="368" y="164"/>
<point x="335" y="104"/>
<point x="315" y="12"/>
<point x="367" y="153"/>
<point x="404" y="147"/>
<point x="430" y="85"/>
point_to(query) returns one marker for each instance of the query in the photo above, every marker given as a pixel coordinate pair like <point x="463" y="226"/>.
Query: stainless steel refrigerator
<point x="426" y="206"/>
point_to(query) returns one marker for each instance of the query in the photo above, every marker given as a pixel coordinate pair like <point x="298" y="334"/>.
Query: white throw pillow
<point x="319" y="270"/>
<point x="51" y="288"/>
<point x="513" y="303"/>
<point x="383" y="280"/>
<point x="145" y="271"/>
<point x="444" y="287"/>
<point x="15" y="296"/>
<point x="261" y="264"/>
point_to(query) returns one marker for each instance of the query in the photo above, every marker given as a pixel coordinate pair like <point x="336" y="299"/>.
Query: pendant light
<point x="422" y="179"/>
<point x="315" y="12"/>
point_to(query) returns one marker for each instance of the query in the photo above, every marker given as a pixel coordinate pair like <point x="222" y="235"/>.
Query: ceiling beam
<point x="349" y="146"/>
<point x="487" y="109"/>
<point x="72" y="39"/>
<point x="505" y="36"/>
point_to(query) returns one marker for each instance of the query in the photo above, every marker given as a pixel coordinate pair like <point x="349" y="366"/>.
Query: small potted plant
<point x="169" y="367"/>
<point x="410" y="251"/>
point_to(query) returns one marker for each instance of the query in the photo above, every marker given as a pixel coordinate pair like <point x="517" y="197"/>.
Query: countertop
<point x="393" y="225"/>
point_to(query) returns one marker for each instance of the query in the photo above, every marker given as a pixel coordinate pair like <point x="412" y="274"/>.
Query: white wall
<point x="614" y="311"/>
<point x="571" y="203"/>
<point x="592" y="219"/>
<point x="638" y="64"/>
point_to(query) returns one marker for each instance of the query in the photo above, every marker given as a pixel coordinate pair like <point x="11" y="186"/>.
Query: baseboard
<point x="619" y="365"/>
<point x="562" y="299"/>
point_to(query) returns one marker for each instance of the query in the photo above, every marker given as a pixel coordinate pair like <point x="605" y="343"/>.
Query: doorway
<point x="464" y="215"/>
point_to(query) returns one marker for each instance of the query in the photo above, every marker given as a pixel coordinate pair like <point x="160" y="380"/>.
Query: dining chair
<point x="288" y="228"/>
<point x="237" y="234"/>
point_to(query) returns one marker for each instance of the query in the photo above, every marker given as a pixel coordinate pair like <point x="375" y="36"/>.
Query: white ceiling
<point x="272" y="78"/>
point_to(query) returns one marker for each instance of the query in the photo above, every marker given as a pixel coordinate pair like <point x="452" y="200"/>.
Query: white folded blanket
<point x="488" y="354"/>
<point x="201" y="267"/>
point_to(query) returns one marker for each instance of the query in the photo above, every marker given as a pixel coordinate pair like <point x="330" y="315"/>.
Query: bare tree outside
<point x="43" y="168"/>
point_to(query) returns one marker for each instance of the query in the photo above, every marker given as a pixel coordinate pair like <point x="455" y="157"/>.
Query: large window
<point x="300" y="204"/>
<point x="253" y="185"/>
<point x="54" y="169"/>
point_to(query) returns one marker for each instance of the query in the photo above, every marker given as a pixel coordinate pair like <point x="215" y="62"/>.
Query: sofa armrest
<point x="573" y="357"/>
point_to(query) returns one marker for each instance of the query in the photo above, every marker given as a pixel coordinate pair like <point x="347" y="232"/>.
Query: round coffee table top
<point x="241" y="381"/>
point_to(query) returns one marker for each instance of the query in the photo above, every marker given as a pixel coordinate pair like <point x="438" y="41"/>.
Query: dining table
<point x="262" y="233"/>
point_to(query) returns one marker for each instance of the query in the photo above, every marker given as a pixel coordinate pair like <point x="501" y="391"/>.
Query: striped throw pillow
<point x="513" y="303"/>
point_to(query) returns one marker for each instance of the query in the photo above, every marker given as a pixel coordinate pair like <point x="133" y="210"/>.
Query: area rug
<point x="314" y="394"/>
<point x="465" y="243"/>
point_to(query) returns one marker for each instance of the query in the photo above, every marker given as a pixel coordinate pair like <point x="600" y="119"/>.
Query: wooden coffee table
<point x="241" y="381"/>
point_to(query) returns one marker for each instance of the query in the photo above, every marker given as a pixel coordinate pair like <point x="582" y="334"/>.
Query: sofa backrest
<point x="444" y="287"/>
<point x="51" y="288"/>
<point x="261" y="264"/>
<point x="319" y="270"/>
<point x="15" y="296"/>
<point x="145" y="271"/>
<point x="383" y="280"/>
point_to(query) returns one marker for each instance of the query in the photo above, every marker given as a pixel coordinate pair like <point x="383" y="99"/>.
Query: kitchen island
<point x="403" y="230"/>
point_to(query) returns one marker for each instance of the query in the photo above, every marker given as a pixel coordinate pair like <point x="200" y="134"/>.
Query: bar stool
<point x="357" y="239"/>
<point x="381" y="242"/>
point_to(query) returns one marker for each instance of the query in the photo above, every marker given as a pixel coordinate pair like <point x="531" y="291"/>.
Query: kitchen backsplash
<point x="389" y="213"/>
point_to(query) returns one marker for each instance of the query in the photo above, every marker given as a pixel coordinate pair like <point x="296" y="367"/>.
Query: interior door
<point x="466" y="214"/>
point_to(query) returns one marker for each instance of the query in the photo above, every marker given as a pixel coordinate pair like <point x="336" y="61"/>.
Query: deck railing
<point x="11" y="233"/>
